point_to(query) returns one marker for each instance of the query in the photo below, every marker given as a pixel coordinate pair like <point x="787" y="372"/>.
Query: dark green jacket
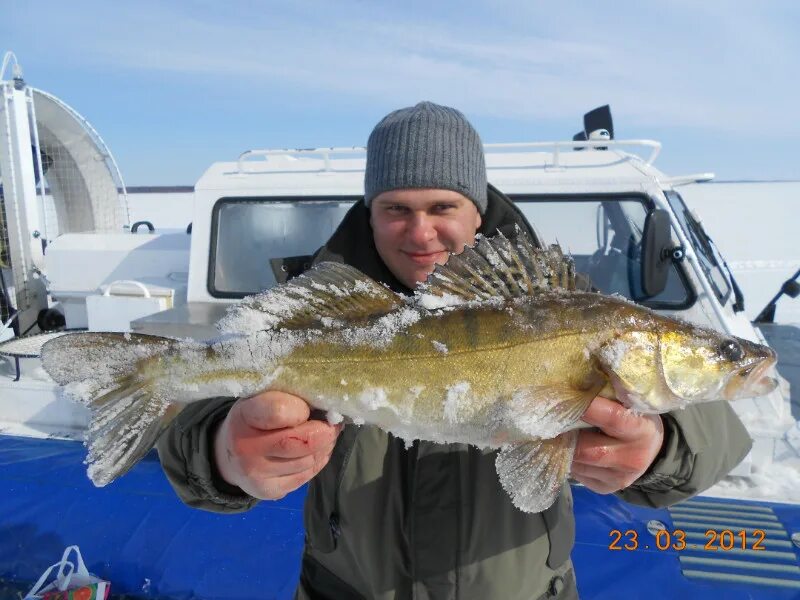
<point x="432" y="521"/>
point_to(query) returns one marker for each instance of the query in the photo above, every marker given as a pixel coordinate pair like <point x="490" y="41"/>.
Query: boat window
<point x="603" y="234"/>
<point x="709" y="257"/>
<point x="247" y="233"/>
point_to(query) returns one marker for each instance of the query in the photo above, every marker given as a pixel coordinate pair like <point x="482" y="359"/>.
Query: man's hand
<point x="268" y="447"/>
<point x="611" y="459"/>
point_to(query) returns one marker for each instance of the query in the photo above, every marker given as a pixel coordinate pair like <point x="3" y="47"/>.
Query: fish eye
<point x="731" y="350"/>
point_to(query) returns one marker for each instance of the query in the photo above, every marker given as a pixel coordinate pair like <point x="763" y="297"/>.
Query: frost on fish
<point x="457" y="402"/>
<point x="533" y="472"/>
<point x="497" y="349"/>
<point x="328" y="295"/>
<point x="334" y="418"/>
<point x="440" y="347"/>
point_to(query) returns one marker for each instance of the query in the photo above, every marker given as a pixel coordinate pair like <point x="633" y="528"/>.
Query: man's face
<point x="416" y="229"/>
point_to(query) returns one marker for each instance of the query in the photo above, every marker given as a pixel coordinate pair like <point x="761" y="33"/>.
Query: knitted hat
<point x="426" y="146"/>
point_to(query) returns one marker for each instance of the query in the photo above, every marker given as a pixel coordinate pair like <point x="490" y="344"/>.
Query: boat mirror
<point x="656" y="252"/>
<point x="791" y="288"/>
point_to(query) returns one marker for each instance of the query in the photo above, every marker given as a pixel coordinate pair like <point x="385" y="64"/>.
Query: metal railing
<point x="557" y="147"/>
<point x="326" y="154"/>
<point x="323" y="153"/>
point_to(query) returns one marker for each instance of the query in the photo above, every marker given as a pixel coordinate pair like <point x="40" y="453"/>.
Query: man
<point x="429" y="521"/>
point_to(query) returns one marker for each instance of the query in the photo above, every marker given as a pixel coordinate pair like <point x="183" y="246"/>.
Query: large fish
<point x="498" y="349"/>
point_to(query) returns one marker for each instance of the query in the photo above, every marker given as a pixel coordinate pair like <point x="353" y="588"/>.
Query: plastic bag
<point x="72" y="581"/>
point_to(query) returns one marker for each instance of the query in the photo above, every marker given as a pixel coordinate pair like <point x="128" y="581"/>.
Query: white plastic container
<point x="79" y="265"/>
<point x="124" y="301"/>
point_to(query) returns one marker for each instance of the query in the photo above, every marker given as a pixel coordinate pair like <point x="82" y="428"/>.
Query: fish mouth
<point x="758" y="378"/>
<point x="765" y="385"/>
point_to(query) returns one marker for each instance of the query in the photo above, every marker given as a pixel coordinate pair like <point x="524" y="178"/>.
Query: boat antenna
<point x="790" y="288"/>
<point x="16" y="70"/>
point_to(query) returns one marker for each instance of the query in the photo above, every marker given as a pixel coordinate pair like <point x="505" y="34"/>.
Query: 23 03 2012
<point x="723" y="540"/>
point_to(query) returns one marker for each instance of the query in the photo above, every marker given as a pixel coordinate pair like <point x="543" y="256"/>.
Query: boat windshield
<point x="247" y="233"/>
<point x="602" y="233"/>
<point x="710" y="259"/>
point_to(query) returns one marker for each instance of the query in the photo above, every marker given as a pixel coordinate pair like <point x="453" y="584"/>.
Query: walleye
<point x="497" y="349"/>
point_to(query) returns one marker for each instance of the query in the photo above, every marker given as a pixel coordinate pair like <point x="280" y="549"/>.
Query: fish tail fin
<point x="116" y="375"/>
<point x="533" y="472"/>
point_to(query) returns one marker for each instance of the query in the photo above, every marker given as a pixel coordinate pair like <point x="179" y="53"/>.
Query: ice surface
<point x="777" y="482"/>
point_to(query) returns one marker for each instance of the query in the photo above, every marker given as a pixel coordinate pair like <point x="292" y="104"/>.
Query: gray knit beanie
<point x="426" y="146"/>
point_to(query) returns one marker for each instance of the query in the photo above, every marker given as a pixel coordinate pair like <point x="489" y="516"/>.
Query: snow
<point x="374" y="398"/>
<point x="776" y="482"/>
<point x="384" y="330"/>
<point x="435" y="302"/>
<point x="538" y="413"/>
<point x="615" y="352"/>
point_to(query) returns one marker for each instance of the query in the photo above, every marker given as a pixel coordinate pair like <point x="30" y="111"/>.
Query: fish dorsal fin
<point x="330" y="294"/>
<point x="499" y="267"/>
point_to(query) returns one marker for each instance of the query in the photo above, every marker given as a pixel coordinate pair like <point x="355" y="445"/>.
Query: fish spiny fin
<point x="532" y="473"/>
<point x="113" y="375"/>
<point x="500" y="267"/>
<point x="329" y="294"/>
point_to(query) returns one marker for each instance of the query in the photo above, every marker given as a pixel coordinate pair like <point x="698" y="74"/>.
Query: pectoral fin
<point x="533" y="472"/>
<point x="545" y="411"/>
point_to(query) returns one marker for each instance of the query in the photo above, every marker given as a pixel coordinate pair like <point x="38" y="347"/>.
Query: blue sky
<point x="175" y="86"/>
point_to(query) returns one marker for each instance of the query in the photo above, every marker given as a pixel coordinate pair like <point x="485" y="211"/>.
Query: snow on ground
<point x="775" y="482"/>
<point x="778" y="482"/>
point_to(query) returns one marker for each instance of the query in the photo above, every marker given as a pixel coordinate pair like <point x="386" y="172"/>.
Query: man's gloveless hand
<point x="268" y="447"/>
<point x="611" y="459"/>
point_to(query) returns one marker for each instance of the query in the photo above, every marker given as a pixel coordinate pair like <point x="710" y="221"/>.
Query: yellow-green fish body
<point x="459" y="376"/>
<point x="498" y="349"/>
